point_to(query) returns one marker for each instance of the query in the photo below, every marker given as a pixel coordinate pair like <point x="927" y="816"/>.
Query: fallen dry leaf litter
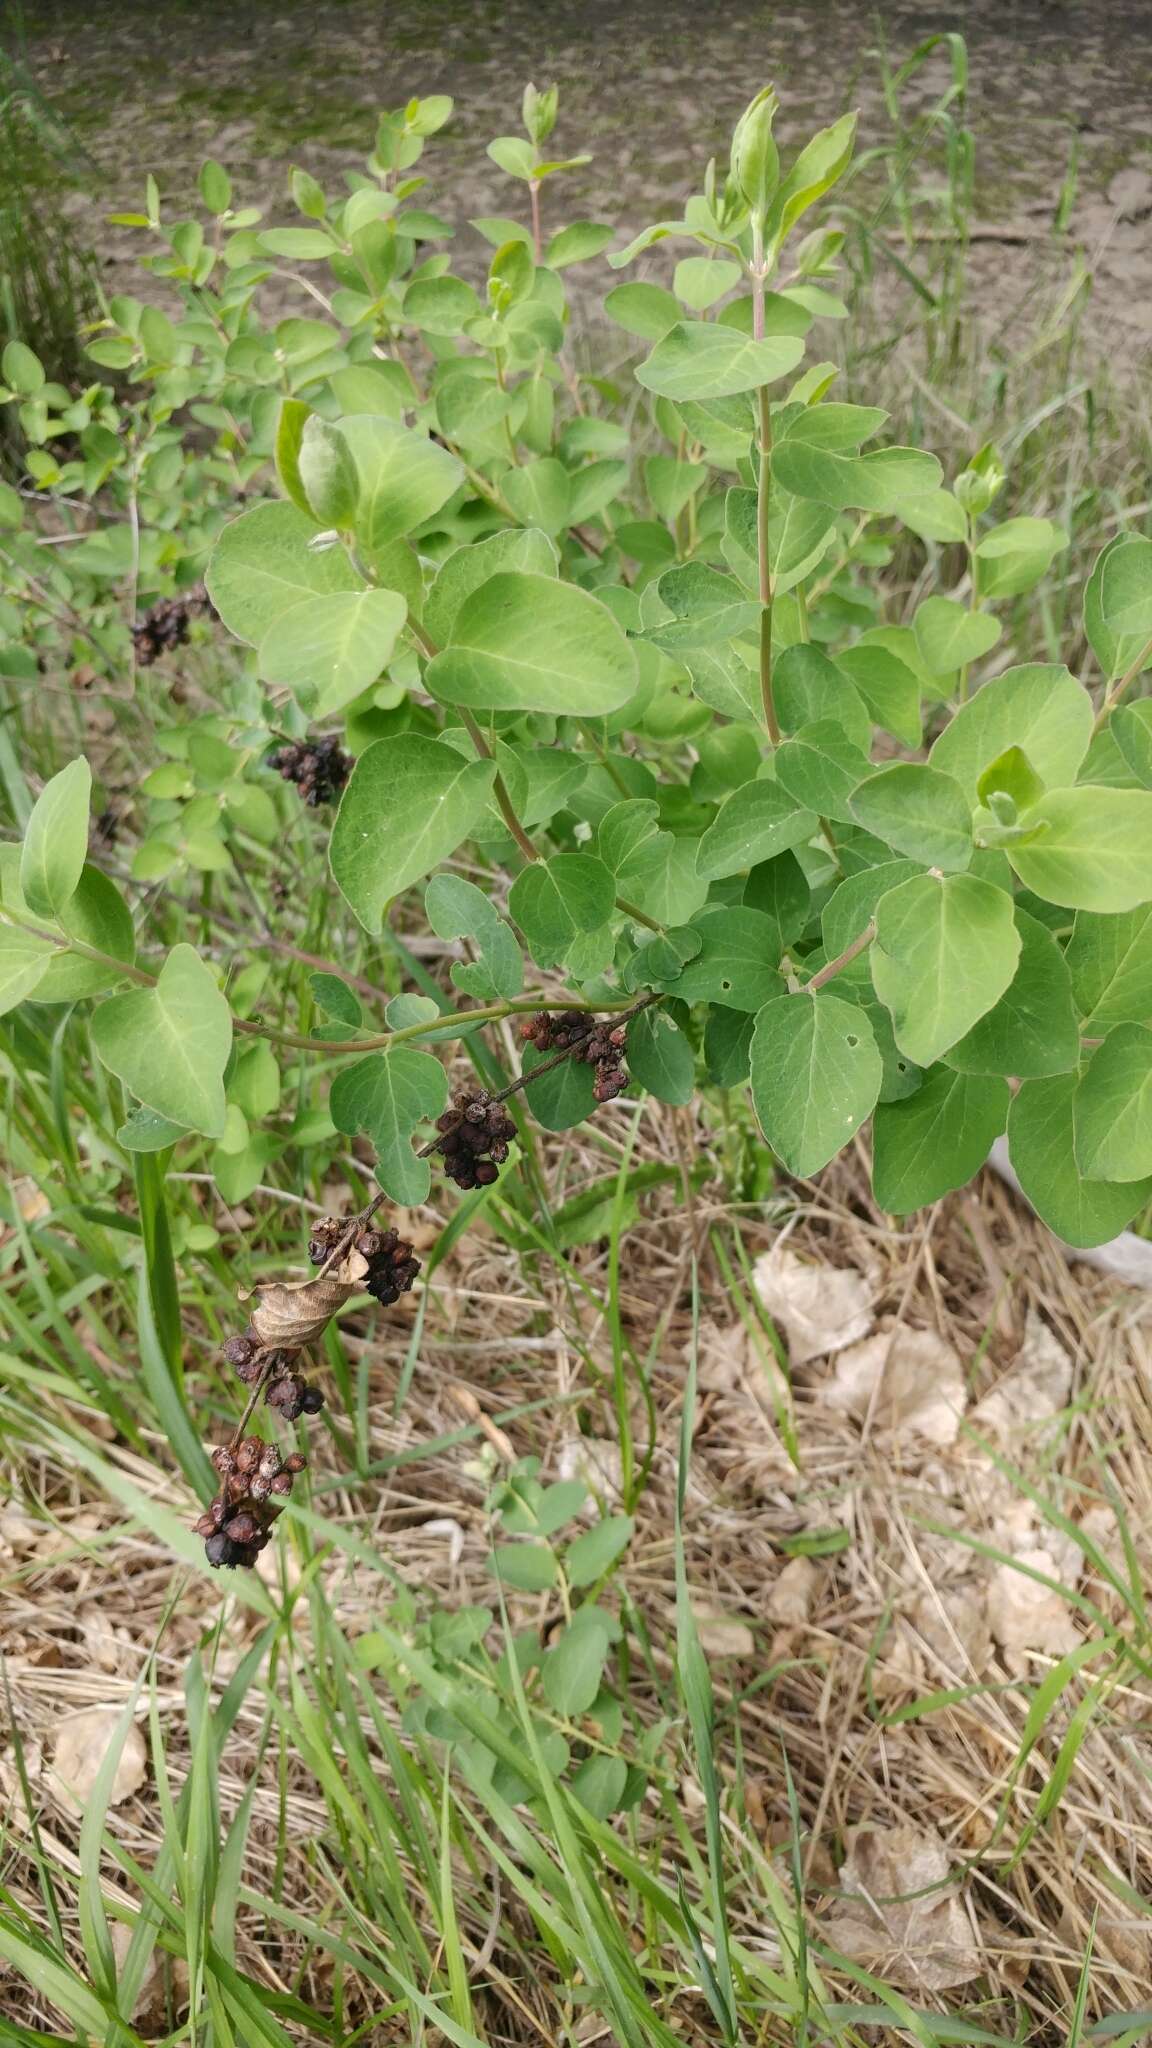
<point x="868" y="1527"/>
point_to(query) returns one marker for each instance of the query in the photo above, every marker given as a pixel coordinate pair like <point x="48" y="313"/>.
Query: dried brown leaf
<point x="819" y="1308"/>
<point x="919" y="1943"/>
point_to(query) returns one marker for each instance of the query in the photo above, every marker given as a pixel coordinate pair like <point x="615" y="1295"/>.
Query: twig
<point x="842" y="960"/>
<point x="523" y="1080"/>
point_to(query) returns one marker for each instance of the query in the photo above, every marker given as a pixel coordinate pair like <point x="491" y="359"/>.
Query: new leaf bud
<point x="755" y="158"/>
<point x="328" y="473"/>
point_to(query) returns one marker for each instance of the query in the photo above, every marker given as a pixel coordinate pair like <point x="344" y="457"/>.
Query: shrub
<point x="625" y="651"/>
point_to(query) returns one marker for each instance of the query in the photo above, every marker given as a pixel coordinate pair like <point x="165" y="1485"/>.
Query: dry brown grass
<point x="830" y="1659"/>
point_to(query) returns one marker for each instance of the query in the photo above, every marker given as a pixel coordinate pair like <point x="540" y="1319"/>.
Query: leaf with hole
<point x="815" y="1076"/>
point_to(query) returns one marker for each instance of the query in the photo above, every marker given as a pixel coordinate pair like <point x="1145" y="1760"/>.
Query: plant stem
<point x="499" y="787"/>
<point x="523" y="1080"/>
<point x="494" y="1013"/>
<point x="537" y="238"/>
<point x="834" y="967"/>
<point x="763" y="494"/>
<point x="1118" y="689"/>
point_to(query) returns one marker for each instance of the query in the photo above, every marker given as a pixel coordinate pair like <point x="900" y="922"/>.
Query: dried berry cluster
<point x="392" y="1263"/>
<point x="255" y="1480"/>
<point x="165" y="626"/>
<point x="319" y="768"/>
<point x="284" y="1389"/>
<point x="476" y="1133"/>
<point x="588" y="1040"/>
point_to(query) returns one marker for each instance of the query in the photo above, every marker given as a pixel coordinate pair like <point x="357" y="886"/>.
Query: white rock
<point x="909" y="1381"/>
<point x="791" y="1598"/>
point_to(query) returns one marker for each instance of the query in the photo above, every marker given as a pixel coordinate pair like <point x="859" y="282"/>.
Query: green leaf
<point x="576" y="243"/>
<point x="573" y="1667"/>
<point x="949" y="636"/>
<point x="1116" y="652"/>
<point x="728" y="1046"/>
<point x="595" y="1552"/>
<point x="936" y="515"/>
<point x="1088" y="848"/>
<point x="540" y="494"/>
<point x="457" y="909"/>
<point x="300" y="245"/>
<point x="529" y="643"/>
<point x="23" y="962"/>
<point x="329" y="649"/>
<point x="820" y="768"/>
<point x="877" y="482"/>
<point x="599" y="1784"/>
<point x="56" y="841"/>
<point x="529" y="1567"/>
<point x="327" y="473"/>
<point x="944" y="953"/>
<point x="887" y="686"/>
<point x="807" y="686"/>
<point x="660" y="1057"/>
<point x="815" y="1077"/>
<point x="758" y="821"/>
<point x="469" y="567"/>
<point x="408" y="804"/>
<point x="386" y="1096"/>
<point x="554" y="900"/>
<point x="699" y="281"/>
<point x="289" y="433"/>
<point x="144" y="1131"/>
<point x="646" y="310"/>
<point x="1032" y="1030"/>
<point x="1125" y="594"/>
<point x="1015" y="555"/>
<point x="737" y="962"/>
<point x="919" y="811"/>
<point x="820" y="163"/>
<point x="1110" y="961"/>
<point x="263" y="563"/>
<point x="404" y="478"/>
<point x="170" y="1044"/>
<point x="514" y="155"/>
<point x="1112" y="1111"/>
<point x="563" y="1097"/>
<point x="441" y="305"/>
<point x="935" y="1140"/>
<point x="1011" y="774"/>
<point x="22" y="369"/>
<point x="700" y="361"/>
<point x="1039" y="708"/>
<point x="1042" y="1151"/>
<point x="1131" y="728"/>
<point x="853" y="903"/>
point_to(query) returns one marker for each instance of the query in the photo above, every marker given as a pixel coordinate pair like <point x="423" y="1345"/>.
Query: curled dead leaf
<point x="723" y="1635"/>
<point x="791" y="1598"/>
<point x="909" y="1381"/>
<point x="1034" y="1389"/>
<point x="901" y="1915"/>
<point x="1025" y="1615"/>
<point x="81" y="1744"/>
<point x="287" y="1315"/>
<point x="819" y="1308"/>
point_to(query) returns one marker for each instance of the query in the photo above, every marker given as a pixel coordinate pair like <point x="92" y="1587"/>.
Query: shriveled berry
<point x="220" y="1550"/>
